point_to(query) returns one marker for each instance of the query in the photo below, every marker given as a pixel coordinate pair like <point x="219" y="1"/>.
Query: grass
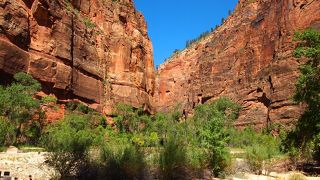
<point x="237" y="152"/>
<point x="3" y="148"/>
<point x="88" y="23"/>
<point x="26" y="149"/>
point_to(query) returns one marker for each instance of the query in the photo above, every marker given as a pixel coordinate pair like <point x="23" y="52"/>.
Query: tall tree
<point x="306" y="136"/>
<point x="17" y="102"/>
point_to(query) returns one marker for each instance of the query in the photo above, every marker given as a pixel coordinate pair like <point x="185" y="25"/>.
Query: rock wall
<point x="97" y="51"/>
<point x="248" y="59"/>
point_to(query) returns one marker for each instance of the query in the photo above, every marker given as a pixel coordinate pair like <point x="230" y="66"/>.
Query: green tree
<point x="222" y="21"/>
<point x="69" y="141"/>
<point x="17" y="102"/>
<point x="129" y="119"/>
<point x="306" y="136"/>
<point x="212" y="121"/>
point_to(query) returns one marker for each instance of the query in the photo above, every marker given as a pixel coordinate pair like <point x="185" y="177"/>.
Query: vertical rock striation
<point x="248" y="59"/>
<point x="97" y="51"/>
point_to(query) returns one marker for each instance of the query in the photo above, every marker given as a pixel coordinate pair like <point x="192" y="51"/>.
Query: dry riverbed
<point x="23" y="165"/>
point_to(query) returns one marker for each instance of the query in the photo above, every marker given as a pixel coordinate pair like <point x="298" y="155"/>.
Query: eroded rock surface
<point x="97" y="51"/>
<point x="248" y="59"/>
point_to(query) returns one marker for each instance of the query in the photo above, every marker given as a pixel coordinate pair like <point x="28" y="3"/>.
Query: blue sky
<point x="172" y="22"/>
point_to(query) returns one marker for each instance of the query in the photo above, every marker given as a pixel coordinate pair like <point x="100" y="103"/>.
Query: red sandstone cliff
<point x="97" y="51"/>
<point x="249" y="59"/>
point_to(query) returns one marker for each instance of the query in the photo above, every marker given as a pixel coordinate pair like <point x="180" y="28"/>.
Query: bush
<point x="262" y="150"/>
<point x="122" y="160"/>
<point x="242" y="138"/>
<point x="196" y="158"/>
<point x="260" y="147"/>
<point x="84" y="109"/>
<point x="255" y="156"/>
<point x="127" y="118"/>
<point x="69" y="141"/>
<point x="173" y="159"/>
<point x="7" y="132"/>
<point x="32" y="132"/>
<point x="48" y="100"/>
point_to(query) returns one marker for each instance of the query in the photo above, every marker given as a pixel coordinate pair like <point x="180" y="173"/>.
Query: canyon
<point x="248" y="59"/>
<point x="99" y="52"/>
<point x="94" y="51"/>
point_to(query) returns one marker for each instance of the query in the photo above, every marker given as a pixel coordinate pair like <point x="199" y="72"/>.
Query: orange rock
<point x="54" y="113"/>
<point x="99" y="52"/>
<point x="248" y="59"/>
<point x="95" y="51"/>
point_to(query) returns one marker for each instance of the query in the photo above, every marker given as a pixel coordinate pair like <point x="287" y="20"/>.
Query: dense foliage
<point x="83" y="145"/>
<point x="212" y="122"/>
<point x="68" y="142"/>
<point x="122" y="160"/>
<point x="260" y="147"/>
<point x="18" y="106"/>
<point x="305" y="138"/>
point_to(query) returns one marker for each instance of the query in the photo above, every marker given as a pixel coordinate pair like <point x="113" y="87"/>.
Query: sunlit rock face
<point x="97" y="51"/>
<point x="248" y="59"/>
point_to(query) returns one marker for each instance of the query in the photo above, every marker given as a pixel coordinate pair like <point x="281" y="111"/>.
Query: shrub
<point x="130" y="120"/>
<point x="260" y="147"/>
<point x="196" y="158"/>
<point x="255" y="156"/>
<point x="262" y="150"/>
<point x="48" y="99"/>
<point x="32" y="132"/>
<point x="68" y="141"/>
<point x="28" y="82"/>
<point x="71" y="106"/>
<point x="84" y="109"/>
<point x="173" y="159"/>
<point x="79" y="107"/>
<point x="242" y="138"/>
<point x="89" y="23"/>
<point x="122" y="160"/>
<point x="7" y="132"/>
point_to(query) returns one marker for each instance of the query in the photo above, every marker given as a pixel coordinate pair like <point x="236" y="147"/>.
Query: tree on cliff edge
<point x="306" y="137"/>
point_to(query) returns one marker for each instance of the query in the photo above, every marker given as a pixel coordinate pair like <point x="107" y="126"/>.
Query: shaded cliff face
<point x="248" y="59"/>
<point x="97" y="51"/>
